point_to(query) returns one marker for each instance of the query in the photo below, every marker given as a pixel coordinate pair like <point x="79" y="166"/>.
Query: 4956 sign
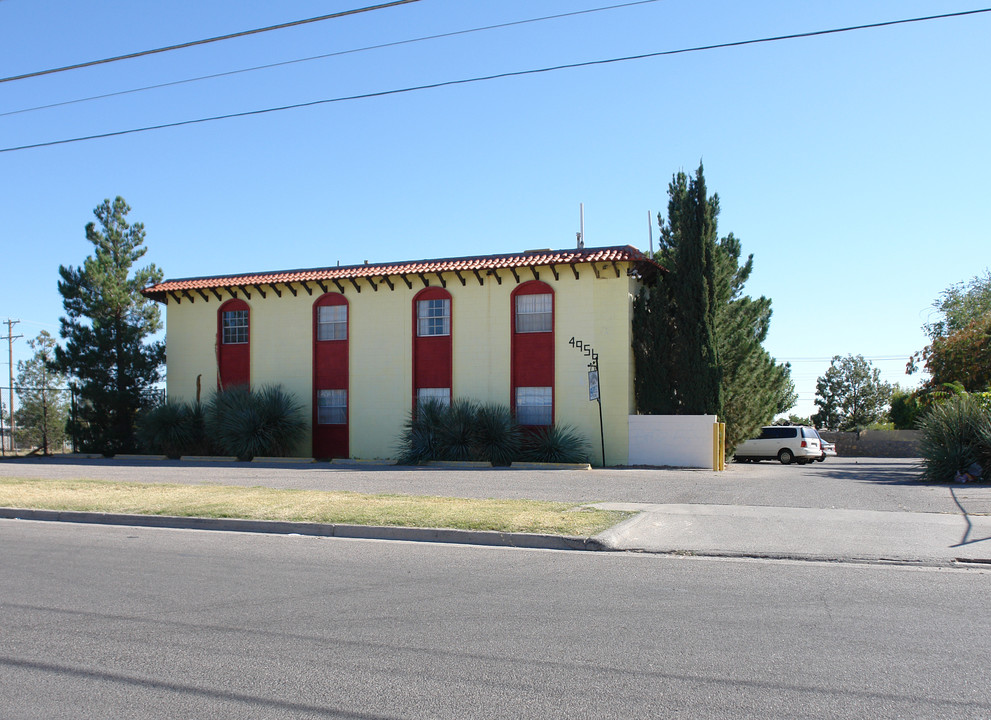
<point x="593" y="383"/>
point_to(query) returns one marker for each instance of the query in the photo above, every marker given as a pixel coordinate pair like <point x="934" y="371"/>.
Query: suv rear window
<point x="776" y="433"/>
<point x="809" y="433"/>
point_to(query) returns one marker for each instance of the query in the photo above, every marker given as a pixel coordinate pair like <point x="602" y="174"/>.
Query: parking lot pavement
<point x="839" y="483"/>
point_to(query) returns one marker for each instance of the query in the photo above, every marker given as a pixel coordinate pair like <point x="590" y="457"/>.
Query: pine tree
<point x="43" y="412"/>
<point x="697" y="339"/>
<point x="680" y="317"/>
<point x="106" y="330"/>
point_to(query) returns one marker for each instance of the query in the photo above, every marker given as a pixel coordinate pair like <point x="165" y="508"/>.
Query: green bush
<point x="956" y="433"/>
<point x="250" y="423"/>
<point x="173" y="429"/>
<point x="469" y="431"/>
<point x="555" y="444"/>
<point x="497" y="436"/>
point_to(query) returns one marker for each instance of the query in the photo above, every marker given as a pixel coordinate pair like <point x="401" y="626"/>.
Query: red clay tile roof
<point x="626" y="253"/>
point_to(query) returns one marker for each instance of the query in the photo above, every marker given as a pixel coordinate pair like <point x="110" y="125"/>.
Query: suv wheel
<point x="785" y="456"/>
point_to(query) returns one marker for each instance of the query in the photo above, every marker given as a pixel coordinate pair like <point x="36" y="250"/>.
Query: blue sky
<point x="853" y="166"/>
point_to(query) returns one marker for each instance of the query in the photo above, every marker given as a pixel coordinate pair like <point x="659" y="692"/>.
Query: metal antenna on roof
<point x="581" y="226"/>
<point x="650" y="231"/>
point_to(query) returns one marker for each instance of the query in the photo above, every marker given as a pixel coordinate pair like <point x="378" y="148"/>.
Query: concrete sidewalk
<point x="801" y="533"/>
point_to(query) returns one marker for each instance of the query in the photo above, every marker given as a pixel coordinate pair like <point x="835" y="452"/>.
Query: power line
<point x="483" y="78"/>
<point x="194" y="43"/>
<point x="330" y="55"/>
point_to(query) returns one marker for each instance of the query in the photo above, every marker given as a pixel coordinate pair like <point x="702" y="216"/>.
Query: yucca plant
<point x="417" y="442"/>
<point x="952" y="432"/>
<point x="497" y="436"/>
<point x="455" y="432"/>
<point x="248" y="424"/>
<point x="169" y="429"/>
<point x="555" y="444"/>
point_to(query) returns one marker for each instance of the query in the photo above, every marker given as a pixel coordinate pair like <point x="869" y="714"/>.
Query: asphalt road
<point x="110" y="622"/>
<point x="846" y="483"/>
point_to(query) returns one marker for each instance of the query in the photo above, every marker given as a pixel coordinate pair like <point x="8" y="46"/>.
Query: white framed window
<point x="534" y="313"/>
<point x="441" y="396"/>
<point x="433" y="317"/>
<point x="332" y="407"/>
<point x="534" y="406"/>
<point x="332" y="322"/>
<point x="235" y="327"/>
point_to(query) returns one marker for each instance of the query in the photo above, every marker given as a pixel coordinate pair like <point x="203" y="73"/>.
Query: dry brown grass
<point x="259" y="503"/>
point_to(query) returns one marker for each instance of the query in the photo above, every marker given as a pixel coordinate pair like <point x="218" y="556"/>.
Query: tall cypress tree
<point x="697" y="339"/>
<point x="106" y="328"/>
<point x="680" y="317"/>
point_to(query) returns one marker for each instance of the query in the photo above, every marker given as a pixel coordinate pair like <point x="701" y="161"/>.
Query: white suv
<point x="782" y="442"/>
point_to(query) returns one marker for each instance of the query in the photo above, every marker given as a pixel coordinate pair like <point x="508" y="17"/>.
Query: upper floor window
<point x="332" y="322"/>
<point x="235" y="327"/>
<point x="433" y="317"/>
<point x="534" y="313"/>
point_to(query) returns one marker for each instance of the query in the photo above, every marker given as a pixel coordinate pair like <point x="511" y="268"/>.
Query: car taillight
<point x="804" y="444"/>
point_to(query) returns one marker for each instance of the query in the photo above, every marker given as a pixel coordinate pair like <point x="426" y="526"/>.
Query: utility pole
<point x="10" y="337"/>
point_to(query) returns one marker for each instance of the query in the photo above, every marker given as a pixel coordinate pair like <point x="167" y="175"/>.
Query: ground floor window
<point x="441" y="396"/>
<point x="534" y="406"/>
<point x="235" y="327"/>
<point x="332" y="407"/>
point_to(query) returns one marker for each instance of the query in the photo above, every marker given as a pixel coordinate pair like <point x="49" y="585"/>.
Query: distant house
<point x="361" y="345"/>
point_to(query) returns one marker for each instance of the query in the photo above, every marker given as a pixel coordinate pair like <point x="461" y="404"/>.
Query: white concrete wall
<point x="675" y="440"/>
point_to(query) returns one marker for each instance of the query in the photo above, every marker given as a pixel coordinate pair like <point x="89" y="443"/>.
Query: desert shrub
<point x="953" y="437"/>
<point x="555" y="444"/>
<point x="497" y="436"/>
<point x="250" y="423"/>
<point x="173" y="429"/>
<point x="455" y="431"/>
<point x="417" y="442"/>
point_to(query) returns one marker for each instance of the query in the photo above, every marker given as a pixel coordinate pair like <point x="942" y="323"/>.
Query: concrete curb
<point x="278" y="527"/>
<point x="287" y="460"/>
<point x="549" y="466"/>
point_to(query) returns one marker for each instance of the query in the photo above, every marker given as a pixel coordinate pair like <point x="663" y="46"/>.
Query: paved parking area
<point x="841" y="483"/>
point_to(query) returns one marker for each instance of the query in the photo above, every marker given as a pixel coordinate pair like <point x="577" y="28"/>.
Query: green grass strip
<point x="261" y="503"/>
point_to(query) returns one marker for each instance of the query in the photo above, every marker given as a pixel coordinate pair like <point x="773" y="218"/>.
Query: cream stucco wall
<point x="593" y="309"/>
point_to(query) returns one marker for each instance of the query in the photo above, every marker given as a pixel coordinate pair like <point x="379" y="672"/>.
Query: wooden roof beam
<point x="294" y="291"/>
<point x="356" y="286"/>
<point x="458" y="275"/>
<point x="515" y="275"/>
<point x="534" y="271"/>
<point x="554" y="272"/>
<point x="306" y="286"/>
<point x="185" y="293"/>
<point x="406" y="280"/>
<point x="574" y="270"/>
<point x="217" y="294"/>
<point x="387" y="281"/>
<point x="479" y="277"/>
<point x="339" y="286"/>
<point x="274" y="289"/>
<point x="206" y="298"/>
<point x="260" y="291"/>
<point x="178" y="300"/>
<point x="443" y="283"/>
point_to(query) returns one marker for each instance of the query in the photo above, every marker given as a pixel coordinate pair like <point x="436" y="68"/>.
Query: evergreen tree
<point x="679" y="320"/>
<point x="43" y="412"/>
<point x="755" y="387"/>
<point x="106" y="330"/>
<point x="697" y="339"/>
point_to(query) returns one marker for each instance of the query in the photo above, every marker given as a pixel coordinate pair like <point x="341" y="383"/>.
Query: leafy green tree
<point x="751" y="386"/>
<point x="850" y="395"/>
<point x="905" y="409"/>
<point x="960" y="339"/>
<point x="107" y="328"/>
<point x="43" y="412"/>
